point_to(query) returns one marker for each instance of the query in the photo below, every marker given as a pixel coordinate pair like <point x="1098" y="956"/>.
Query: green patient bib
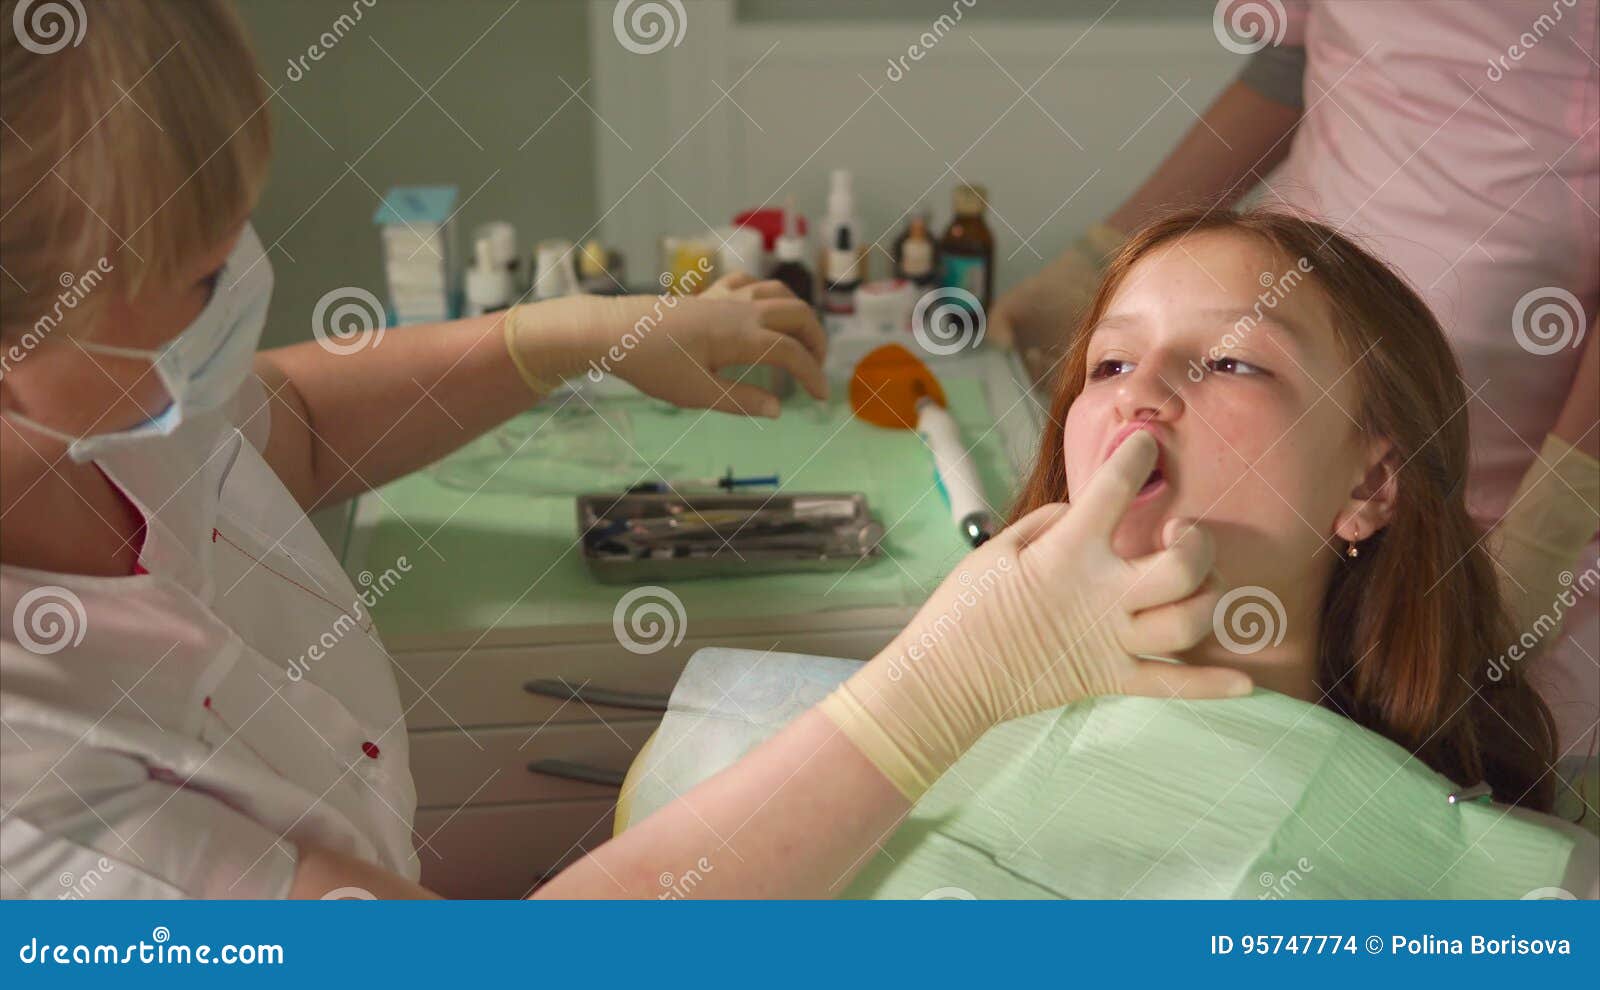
<point x="1259" y="797"/>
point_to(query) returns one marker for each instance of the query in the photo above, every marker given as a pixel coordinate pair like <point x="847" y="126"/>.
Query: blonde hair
<point x="136" y="136"/>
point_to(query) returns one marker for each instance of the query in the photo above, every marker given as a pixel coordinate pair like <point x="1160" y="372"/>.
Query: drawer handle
<point x="555" y="687"/>
<point x="568" y="770"/>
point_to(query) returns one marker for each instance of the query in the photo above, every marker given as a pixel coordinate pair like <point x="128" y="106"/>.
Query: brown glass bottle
<point x="966" y="251"/>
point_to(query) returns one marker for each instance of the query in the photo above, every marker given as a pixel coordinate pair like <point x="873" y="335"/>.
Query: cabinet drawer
<point x="525" y="763"/>
<point x="505" y="851"/>
<point x="442" y="689"/>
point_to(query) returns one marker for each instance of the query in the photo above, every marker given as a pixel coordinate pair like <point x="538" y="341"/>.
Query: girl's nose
<point x="1151" y="391"/>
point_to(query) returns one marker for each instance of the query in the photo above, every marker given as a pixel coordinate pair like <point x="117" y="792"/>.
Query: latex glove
<point x="1042" y="615"/>
<point x="1551" y="519"/>
<point x="672" y="347"/>
<point x="1036" y="317"/>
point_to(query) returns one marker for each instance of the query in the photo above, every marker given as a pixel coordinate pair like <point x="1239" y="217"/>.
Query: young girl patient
<point x="1309" y="414"/>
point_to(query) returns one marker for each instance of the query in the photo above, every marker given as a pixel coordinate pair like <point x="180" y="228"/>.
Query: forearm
<point x="1240" y="138"/>
<point x="346" y="422"/>
<point x="1577" y="422"/>
<point x="795" y="818"/>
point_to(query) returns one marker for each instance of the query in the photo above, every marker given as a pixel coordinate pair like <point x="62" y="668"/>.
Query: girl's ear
<point x="1372" y="499"/>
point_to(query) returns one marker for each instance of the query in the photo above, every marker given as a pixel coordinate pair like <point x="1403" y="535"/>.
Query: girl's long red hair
<point x="1409" y="628"/>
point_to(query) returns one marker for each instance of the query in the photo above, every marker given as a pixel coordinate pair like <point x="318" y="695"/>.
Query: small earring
<point x="1353" y="550"/>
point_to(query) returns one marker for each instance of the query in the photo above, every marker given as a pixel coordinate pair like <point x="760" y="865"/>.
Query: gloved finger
<point x="1031" y="526"/>
<point x="787" y="314"/>
<point x="1156" y="679"/>
<point x="1173" y="627"/>
<point x="736" y="397"/>
<point x="770" y="288"/>
<point x="1172" y="574"/>
<point x="778" y="351"/>
<point x="730" y="283"/>
<point x="1100" y="506"/>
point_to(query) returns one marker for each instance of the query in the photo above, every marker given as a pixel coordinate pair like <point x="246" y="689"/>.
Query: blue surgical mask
<point x="203" y="366"/>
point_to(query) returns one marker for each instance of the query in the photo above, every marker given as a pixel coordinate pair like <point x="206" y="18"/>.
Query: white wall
<point x="674" y="154"/>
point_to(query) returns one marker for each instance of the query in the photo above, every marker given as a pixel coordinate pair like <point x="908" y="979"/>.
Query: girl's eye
<point x="1233" y="366"/>
<point x="1108" y="369"/>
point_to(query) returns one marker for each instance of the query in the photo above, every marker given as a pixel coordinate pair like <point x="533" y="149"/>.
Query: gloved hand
<point x="672" y="347"/>
<point x="1035" y="317"/>
<point x="1551" y="519"/>
<point x="1042" y="615"/>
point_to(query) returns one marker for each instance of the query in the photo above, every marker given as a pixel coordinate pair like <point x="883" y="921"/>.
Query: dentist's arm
<point x="392" y="401"/>
<point x="1042" y="615"/>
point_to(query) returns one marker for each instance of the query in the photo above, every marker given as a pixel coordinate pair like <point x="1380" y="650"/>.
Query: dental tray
<point x="673" y="536"/>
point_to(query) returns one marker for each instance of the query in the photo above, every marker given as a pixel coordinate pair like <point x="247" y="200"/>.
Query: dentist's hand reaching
<point x="676" y="347"/>
<point x="1042" y="615"/>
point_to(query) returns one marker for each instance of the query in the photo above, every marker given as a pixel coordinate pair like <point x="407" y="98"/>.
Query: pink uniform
<point x="1459" y="142"/>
